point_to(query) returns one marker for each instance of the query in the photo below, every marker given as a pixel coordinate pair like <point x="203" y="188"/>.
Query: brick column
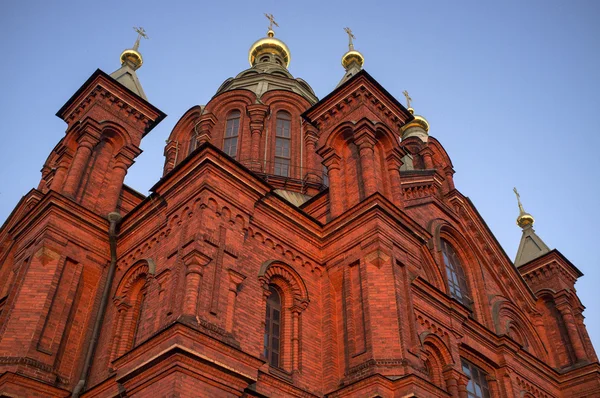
<point x="257" y="113"/>
<point x="336" y="204"/>
<point x="310" y="144"/>
<point x="61" y="172"/>
<point x="449" y="173"/>
<point x="170" y="156"/>
<point x="572" y="331"/>
<point x="204" y="129"/>
<point x="427" y="158"/>
<point x="113" y="191"/>
<point x="194" y="263"/>
<point x="451" y="377"/>
<point x="296" y="309"/>
<point x="80" y="161"/>
<point x="394" y="161"/>
<point x="235" y="280"/>
<point x="366" y="143"/>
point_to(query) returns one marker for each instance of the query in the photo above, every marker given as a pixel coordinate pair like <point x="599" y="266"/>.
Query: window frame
<point x="272" y="351"/>
<point x="280" y="161"/>
<point x="456" y="278"/>
<point x="477" y="379"/>
<point x="233" y="116"/>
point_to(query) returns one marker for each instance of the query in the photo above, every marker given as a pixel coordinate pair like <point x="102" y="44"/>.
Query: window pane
<point x="457" y="282"/>
<point x="272" y="328"/>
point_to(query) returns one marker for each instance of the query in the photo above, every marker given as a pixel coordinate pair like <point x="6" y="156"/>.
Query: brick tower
<point x="293" y="247"/>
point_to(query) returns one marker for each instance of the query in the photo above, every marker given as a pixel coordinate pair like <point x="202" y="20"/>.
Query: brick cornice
<point x="102" y="87"/>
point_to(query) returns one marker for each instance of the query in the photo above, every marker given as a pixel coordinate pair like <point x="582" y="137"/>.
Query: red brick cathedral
<point x="293" y="247"/>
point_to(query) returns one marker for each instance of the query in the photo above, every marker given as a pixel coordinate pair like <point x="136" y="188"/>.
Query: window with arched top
<point x="282" y="144"/>
<point x="273" y="327"/>
<point x="477" y="386"/>
<point x="457" y="281"/>
<point x="230" y="143"/>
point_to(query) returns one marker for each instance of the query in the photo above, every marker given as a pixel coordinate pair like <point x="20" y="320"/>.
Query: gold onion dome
<point x="269" y="45"/>
<point x="418" y="121"/>
<point x="352" y="56"/>
<point x="524" y="219"/>
<point x="132" y="57"/>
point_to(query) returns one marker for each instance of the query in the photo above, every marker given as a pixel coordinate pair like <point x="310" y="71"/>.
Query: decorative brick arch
<point x="128" y="300"/>
<point x="437" y="357"/>
<point x="294" y="296"/>
<point x="509" y="320"/>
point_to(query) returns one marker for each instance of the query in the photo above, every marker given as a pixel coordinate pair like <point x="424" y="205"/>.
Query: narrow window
<point x="457" y="282"/>
<point x="477" y="386"/>
<point x="282" y="144"/>
<point x="193" y="143"/>
<point x="231" y="134"/>
<point x="273" y="327"/>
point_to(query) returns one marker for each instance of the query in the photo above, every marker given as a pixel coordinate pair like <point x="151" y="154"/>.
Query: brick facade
<point x="366" y="308"/>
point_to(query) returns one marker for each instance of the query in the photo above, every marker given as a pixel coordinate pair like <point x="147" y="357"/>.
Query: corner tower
<point x="107" y="118"/>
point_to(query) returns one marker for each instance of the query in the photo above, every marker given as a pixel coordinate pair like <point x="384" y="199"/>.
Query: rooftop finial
<point x="408" y="99"/>
<point x="132" y="56"/>
<point x="353" y="60"/>
<point x="524" y="219"/>
<point x="141" y="33"/>
<point x="272" y="22"/>
<point x="350" y="37"/>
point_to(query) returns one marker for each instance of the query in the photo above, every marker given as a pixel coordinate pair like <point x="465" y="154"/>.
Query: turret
<point x="107" y="118"/>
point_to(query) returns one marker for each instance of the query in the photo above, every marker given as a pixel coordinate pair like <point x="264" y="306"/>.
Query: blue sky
<point x="510" y="88"/>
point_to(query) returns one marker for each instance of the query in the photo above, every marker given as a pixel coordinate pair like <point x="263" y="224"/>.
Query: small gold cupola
<point x="418" y="127"/>
<point x="132" y="56"/>
<point x="269" y="49"/>
<point x="524" y="220"/>
<point x="352" y="56"/>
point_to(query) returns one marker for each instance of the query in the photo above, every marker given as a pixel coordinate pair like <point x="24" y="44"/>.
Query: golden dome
<point x="418" y="121"/>
<point x="351" y="56"/>
<point x="133" y="56"/>
<point x="524" y="220"/>
<point x="269" y="45"/>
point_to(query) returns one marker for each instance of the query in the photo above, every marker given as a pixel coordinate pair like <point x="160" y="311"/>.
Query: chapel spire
<point x="131" y="60"/>
<point x="531" y="246"/>
<point x="352" y="60"/>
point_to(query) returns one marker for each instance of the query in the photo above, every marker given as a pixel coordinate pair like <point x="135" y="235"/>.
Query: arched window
<point x="457" y="282"/>
<point x="230" y="144"/>
<point x="193" y="143"/>
<point x="273" y="327"/>
<point x="282" y="144"/>
<point x="477" y="386"/>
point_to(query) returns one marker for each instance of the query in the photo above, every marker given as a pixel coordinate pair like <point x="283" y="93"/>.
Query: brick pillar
<point x="170" y="156"/>
<point x="194" y="263"/>
<point x="366" y="143"/>
<point x="235" y="280"/>
<point x="204" y="129"/>
<point x="61" y="172"/>
<point x="310" y="144"/>
<point x="427" y="158"/>
<point x="113" y="191"/>
<point x="336" y="204"/>
<point x="193" y="279"/>
<point x="451" y="377"/>
<point x="257" y="113"/>
<point x="80" y="161"/>
<point x="449" y="173"/>
<point x="586" y="337"/>
<point x="572" y="331"/>
<point x="394" y="161"/>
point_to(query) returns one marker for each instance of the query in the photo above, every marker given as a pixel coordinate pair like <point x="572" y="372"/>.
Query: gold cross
<point x="271" y="19"/>
<point x="519" y="200"/>
<point x="408" y="99"/>
<point x="141" y="33"/>
<point x="350" y="37"/>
